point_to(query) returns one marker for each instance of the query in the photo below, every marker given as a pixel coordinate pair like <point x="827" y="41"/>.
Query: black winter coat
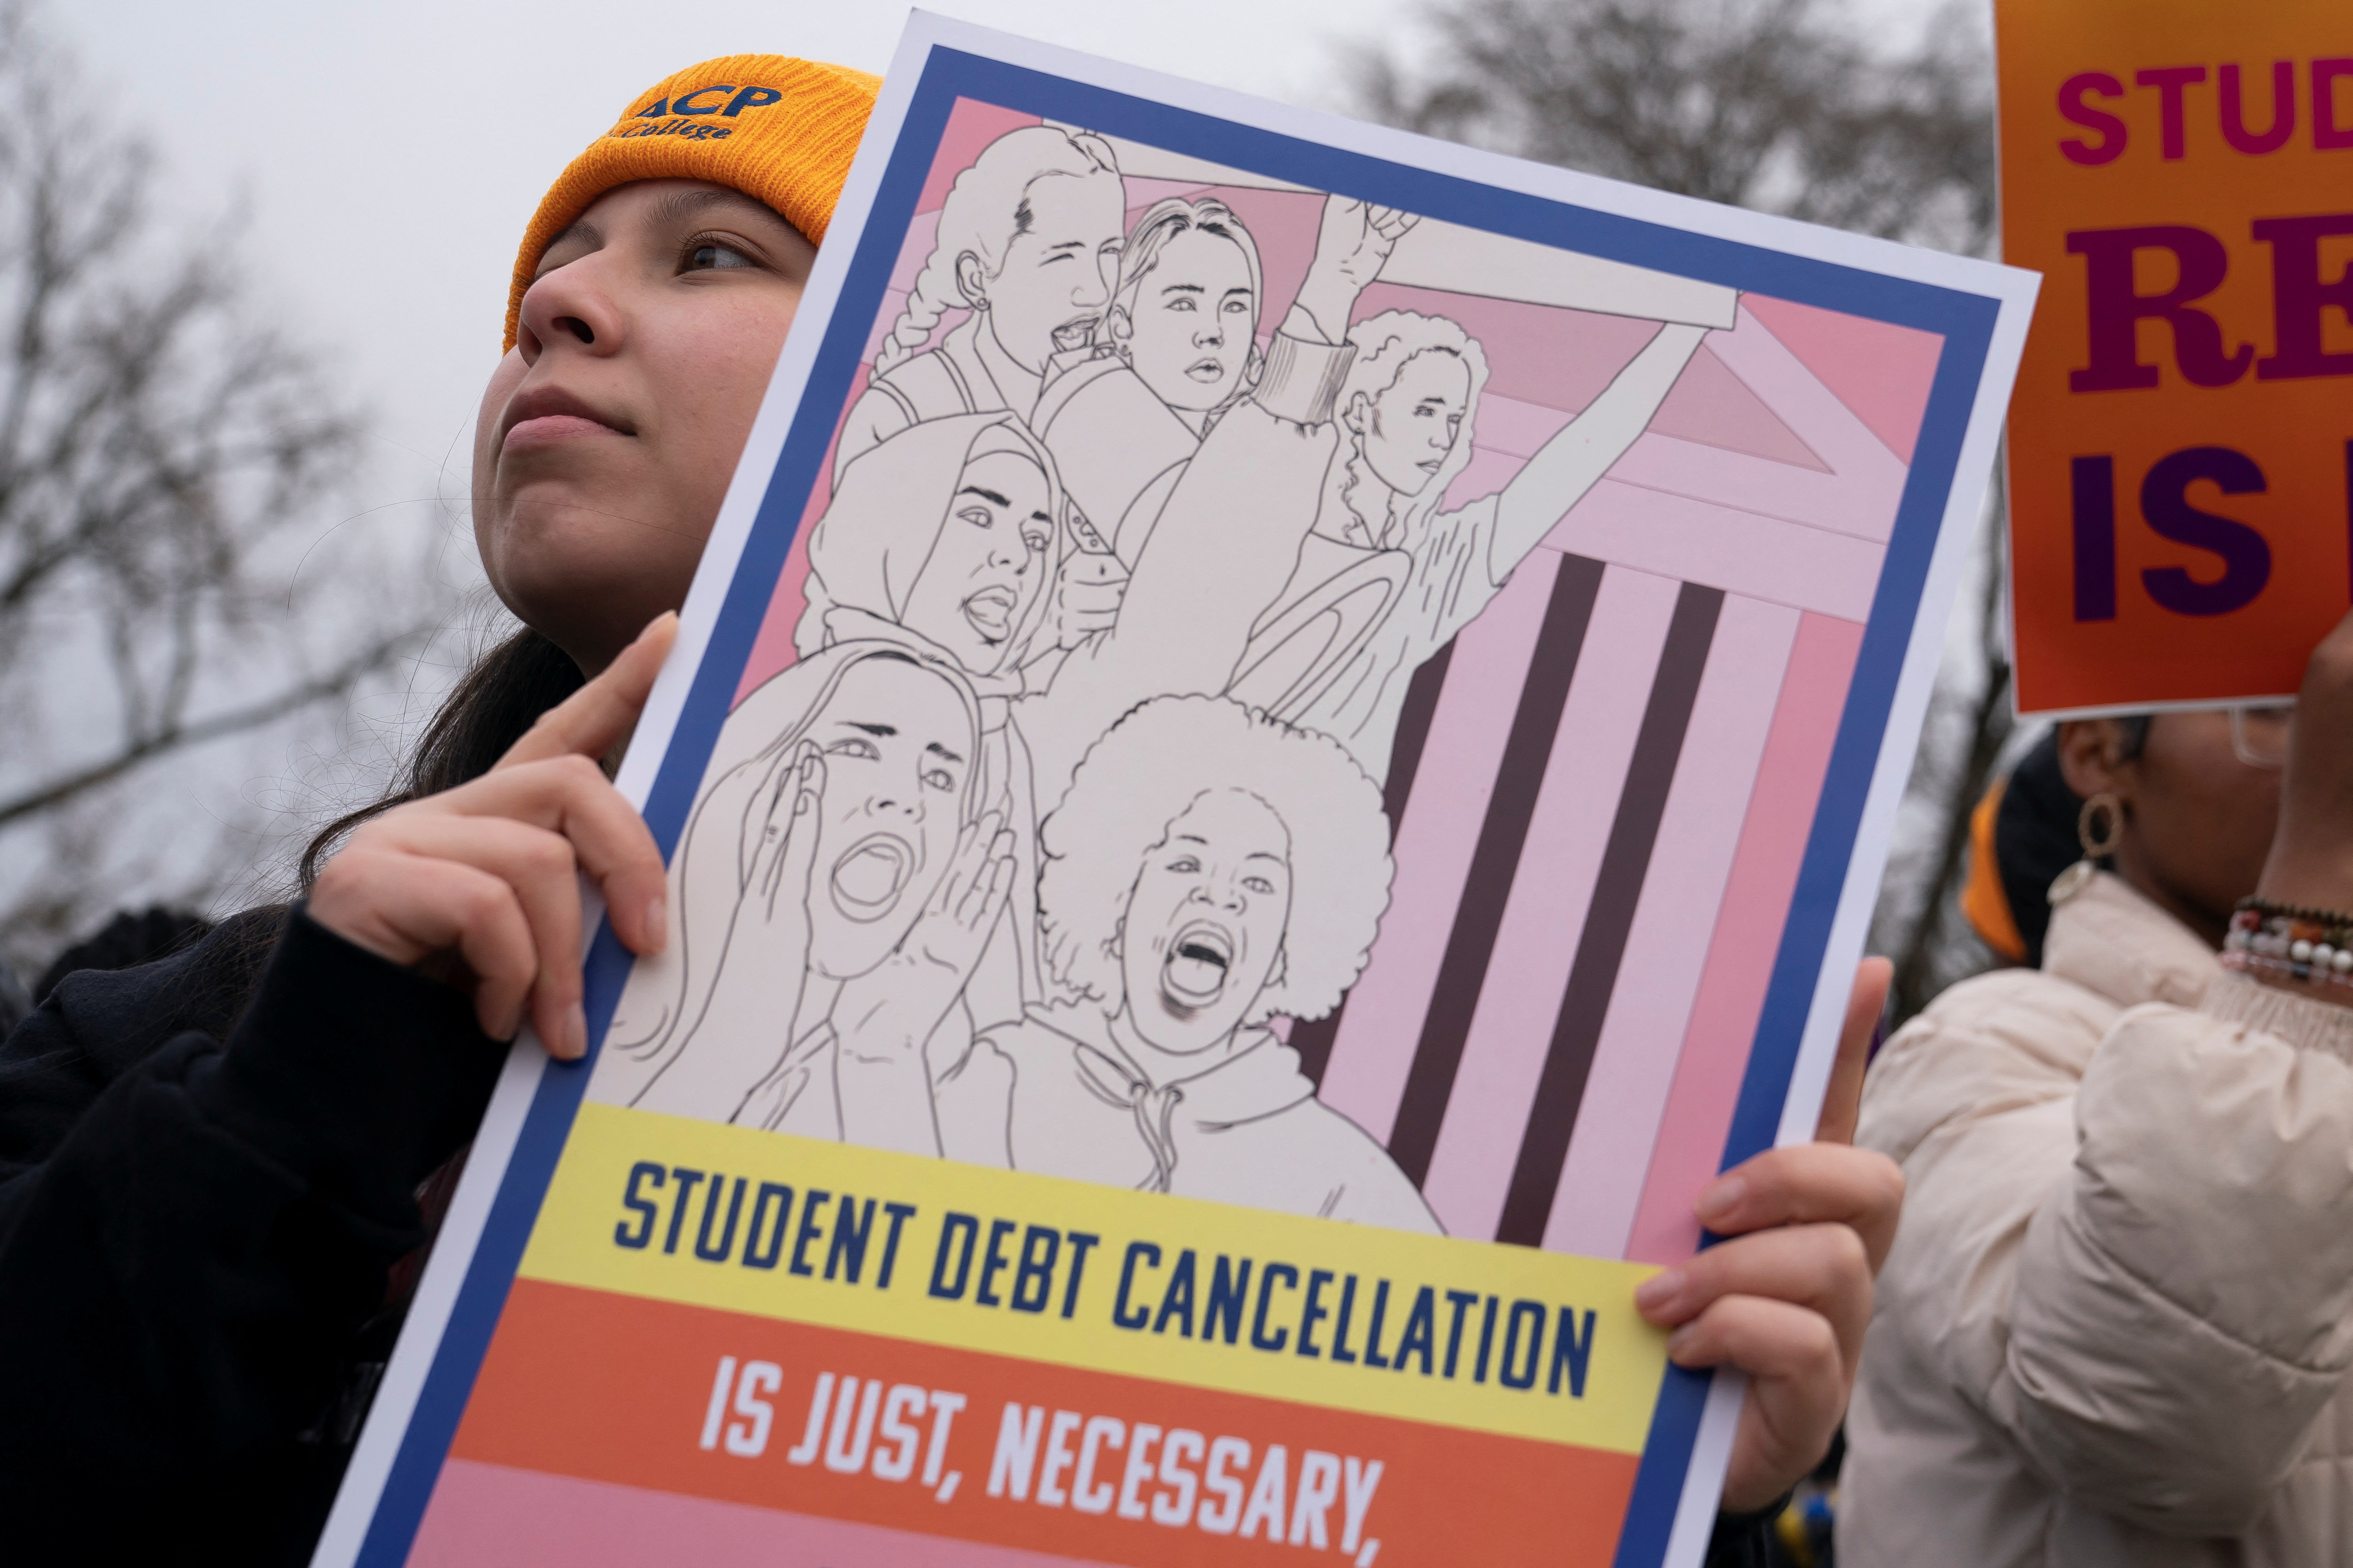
<point x="204" y="1185"/>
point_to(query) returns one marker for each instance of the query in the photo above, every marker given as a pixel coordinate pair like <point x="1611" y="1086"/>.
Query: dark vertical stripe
<point x="1421" y="707"/>
<point x="1494" y="863"/>
<point x="1314" y="1041"/>
<point x="1618" y="887"/>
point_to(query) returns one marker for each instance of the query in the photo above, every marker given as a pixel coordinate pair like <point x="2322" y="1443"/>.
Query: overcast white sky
<point x="390" y="154"/>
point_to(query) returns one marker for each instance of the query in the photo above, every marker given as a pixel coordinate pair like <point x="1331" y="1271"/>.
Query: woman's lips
<point x="990" y="612"/>
<point x="549" y="429"/>
<point x="867" y="881"/>
<point x="1198" y="961"/>
<point x="1206" y="371"/>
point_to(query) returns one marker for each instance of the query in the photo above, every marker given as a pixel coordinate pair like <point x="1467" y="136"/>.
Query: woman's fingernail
<point x="1680" y="1342"/>
<point x="575" y="1034"/>
<point x="1658" y="1289"/>
<point x="1721" y="1199"/>
<point x="657" y="922"/>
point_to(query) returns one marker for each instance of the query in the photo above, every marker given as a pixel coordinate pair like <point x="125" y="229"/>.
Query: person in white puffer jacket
<point x="2116" y="1324"/>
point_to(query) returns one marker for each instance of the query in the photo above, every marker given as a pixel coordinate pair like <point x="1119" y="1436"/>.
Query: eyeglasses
<point x="2259" y="731"/>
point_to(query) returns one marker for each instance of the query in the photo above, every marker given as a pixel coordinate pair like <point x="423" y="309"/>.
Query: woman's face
<point x="975" y="589"/>
<point x="608" y="433"/>
<point x="1057" y="274"/>
<point x="2197" y="820"/>
<point x="1203" y="933"/>
<point x="1407" y="432"/>
<point x="1192" y="321"/>
<point x="897" y="743"/>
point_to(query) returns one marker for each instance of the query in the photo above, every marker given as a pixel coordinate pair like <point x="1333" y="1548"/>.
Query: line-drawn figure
<point x="1209" y="871"/>
<point x="1124" y="423"/>
<point x="1123" y="451"/>
<point x="1408" y="403"/>
<point x="1186" y="316"/>
<point x="944" y="540"/>
<point x="842" y="869"/>
<point x="1217" y="552"/>
<point x="951" y="533"/>
<point x="1029" y="242"/>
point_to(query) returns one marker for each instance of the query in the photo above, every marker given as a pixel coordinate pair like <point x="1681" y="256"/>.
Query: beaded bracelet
<point x="2270" y="911"/>
<point x="2290" y="942"/>
<point x="2288" y="973"/>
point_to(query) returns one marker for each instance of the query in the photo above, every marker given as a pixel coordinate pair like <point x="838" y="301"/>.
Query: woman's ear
<point x="1254" y="366"/>
<point x="972" y="280"/>
<point x="1356" y="413"/>
<point x="2091" y="758"/>
<point x="1118" y="325"/>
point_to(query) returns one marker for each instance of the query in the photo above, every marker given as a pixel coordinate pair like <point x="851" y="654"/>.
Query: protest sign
<point x="2181" y="441"/>
<point x="1282" y="745"/>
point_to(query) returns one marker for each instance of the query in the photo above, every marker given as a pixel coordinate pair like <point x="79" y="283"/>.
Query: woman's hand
<point x="883" y="1019"/>
<point x="487" y="873"/>
<point x="755" y="989"/>
<point x="1352" y="245"/>
<point x="887" y="1013"/>
<point x="1788" y="1300"/>
<point x="2311" y="860"/>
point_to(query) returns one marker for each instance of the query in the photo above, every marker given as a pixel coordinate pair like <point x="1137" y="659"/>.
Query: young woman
<point x="1029" y="243"/>
<point x="210" y="1167"/>
<point x="2118" y="1325"/>
<point x="1210" y="870"/>
<point x="847" y="797"/>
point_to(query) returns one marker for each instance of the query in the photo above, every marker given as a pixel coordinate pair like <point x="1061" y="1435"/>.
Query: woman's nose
<point x="909" y="805"/>
<point x="570" y="310"/>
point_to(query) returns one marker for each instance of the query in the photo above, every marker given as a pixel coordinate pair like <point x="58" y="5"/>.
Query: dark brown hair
<point x="499" y="698"/>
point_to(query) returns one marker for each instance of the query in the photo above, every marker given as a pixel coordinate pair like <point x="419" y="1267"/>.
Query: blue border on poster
<point x="1965" y="321"/>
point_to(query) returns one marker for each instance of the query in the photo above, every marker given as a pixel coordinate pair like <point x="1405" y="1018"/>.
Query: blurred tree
<point x="1784" y="106"/>
<point x="165" y="460"/>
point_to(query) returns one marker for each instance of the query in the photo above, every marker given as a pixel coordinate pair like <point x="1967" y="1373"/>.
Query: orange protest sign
<point x="2181" y="439"/>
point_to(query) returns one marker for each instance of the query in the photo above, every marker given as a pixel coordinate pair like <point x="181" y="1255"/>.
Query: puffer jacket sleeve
<point x="2183" y="1298"/>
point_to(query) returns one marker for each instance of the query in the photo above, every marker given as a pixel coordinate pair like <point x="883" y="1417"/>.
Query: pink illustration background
<point x="1772" y="471"/>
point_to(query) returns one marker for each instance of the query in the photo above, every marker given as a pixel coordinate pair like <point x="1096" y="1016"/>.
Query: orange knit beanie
<point x="781" y="130"/>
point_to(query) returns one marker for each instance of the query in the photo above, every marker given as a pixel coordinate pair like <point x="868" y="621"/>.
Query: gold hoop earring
<point x="2101" y="844"/>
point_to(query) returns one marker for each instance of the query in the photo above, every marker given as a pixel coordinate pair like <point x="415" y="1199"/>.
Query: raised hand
<point x="1088" y="590"/>
<point x="485" y="877"/>
<point x="1788" y="1300"/>
<point x="1352" y="245"/>
<point x="882" y="1019"/>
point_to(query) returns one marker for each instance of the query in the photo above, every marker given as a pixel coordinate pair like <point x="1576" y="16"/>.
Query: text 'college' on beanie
<point x="780" y="130"/>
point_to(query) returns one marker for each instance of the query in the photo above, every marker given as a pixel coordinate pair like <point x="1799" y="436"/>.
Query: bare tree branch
<point x="334" y="683"/>
<point x="165" y="457"/>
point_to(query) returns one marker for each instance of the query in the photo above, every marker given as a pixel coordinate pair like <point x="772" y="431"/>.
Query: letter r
<point x="2114" y="309"/>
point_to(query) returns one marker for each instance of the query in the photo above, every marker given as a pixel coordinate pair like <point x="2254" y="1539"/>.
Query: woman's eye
<point x="1180" y="303"/>
<point x="1237" y="307"/>
<point x="940" y="779"/>
<point x="979" y="516"/>
<point x="1260" y="885"/>
<point x="1185" y="865"/>
<point x="1036" y="541"/>
<point x="710" y="257"/>
<point x="858" y="747"/>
